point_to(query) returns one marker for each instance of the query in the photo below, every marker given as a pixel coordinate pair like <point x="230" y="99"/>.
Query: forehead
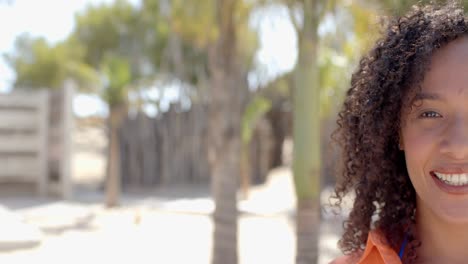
<point x="448" y="70"/>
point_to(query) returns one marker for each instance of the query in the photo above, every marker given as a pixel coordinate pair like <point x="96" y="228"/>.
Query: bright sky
<point x="54" y="20"/>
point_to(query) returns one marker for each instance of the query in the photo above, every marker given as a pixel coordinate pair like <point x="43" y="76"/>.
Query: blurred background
<point x="162" y="131"/>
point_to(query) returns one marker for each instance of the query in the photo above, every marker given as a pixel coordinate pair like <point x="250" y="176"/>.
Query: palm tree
<point x="228" y="91"/>
<point x="306" y="133"/>
<point x="118" y="76"/>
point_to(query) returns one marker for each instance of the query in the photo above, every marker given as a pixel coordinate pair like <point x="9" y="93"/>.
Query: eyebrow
<point x="427" y="96"/>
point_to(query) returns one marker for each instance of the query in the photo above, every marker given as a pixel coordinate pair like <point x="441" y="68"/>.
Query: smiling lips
<point x="459" y="179"/>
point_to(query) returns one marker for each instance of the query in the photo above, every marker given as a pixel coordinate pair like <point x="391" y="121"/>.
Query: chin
<point x="453" y="215"/>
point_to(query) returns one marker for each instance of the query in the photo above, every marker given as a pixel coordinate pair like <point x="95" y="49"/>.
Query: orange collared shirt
<point x="377" y="252"/>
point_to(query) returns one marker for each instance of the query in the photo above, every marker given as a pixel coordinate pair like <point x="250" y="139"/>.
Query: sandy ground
<point x="171" y="225"/>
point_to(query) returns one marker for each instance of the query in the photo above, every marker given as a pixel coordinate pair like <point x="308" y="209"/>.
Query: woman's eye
<point x="430" y="114"/>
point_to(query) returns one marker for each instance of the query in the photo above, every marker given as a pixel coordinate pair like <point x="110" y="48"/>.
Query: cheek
<point x="417" y="146"/>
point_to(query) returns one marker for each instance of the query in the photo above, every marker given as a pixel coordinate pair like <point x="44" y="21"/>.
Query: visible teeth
<point x="463" y="178"/>
<point x="453" y="179"/>
<point x="443" y="176"/>
<point x="456" y="179"/>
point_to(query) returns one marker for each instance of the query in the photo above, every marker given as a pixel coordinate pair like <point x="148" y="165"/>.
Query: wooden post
<point x="43" y="135"/>
<point x="66" y="131"/>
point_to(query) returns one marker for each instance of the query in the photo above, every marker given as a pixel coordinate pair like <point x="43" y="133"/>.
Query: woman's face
<point x="434" y="135"/>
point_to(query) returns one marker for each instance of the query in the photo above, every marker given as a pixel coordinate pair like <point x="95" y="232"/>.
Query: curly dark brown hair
<point x="369" y="125"/>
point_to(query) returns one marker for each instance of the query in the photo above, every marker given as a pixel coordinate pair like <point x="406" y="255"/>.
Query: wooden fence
<point x="172" y="148"/>
<point x="35" y="139"/>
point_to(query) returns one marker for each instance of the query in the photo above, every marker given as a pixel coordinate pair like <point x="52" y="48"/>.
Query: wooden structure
<point x="172" y="148"/>
<point x="60" y="127"/>
<point x="168" y="149"/>
<point x="35" y="139"/>
<point x="23" y="138"/>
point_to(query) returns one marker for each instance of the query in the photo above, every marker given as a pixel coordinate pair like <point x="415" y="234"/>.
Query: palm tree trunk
<point x="307" y="230"/>
<point x="306" y="162"/>
<point x="224" y="189"/>
<point x="113" y="187"/>
<point x="227" y="94"/>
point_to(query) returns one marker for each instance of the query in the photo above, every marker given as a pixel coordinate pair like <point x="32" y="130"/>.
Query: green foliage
<point x="400" y="7"/>
<point x="193" y="32"/>
<point x="248" y="39"/>
<point x="194" y="21"/>
<point x="40" y="65"/>
<point x="105" y="29"/>
<point x="351" y="28"/>
<point x="168" y="39"/>
<point x="253" y="112"/>
<point x="333" y="79"/>
<point x="356" y="28"/>
<point x="365" y="28"/>
<point x="117" y="75"/>
<point x="112" y="37"/>
<point x="395" y="7"/>
<point x="155" y="31"/>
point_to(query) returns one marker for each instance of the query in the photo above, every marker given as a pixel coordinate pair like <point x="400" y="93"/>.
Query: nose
<point x="455" y="140"/>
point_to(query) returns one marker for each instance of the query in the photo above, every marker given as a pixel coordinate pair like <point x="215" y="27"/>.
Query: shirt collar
<point x="378" y="251"/>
